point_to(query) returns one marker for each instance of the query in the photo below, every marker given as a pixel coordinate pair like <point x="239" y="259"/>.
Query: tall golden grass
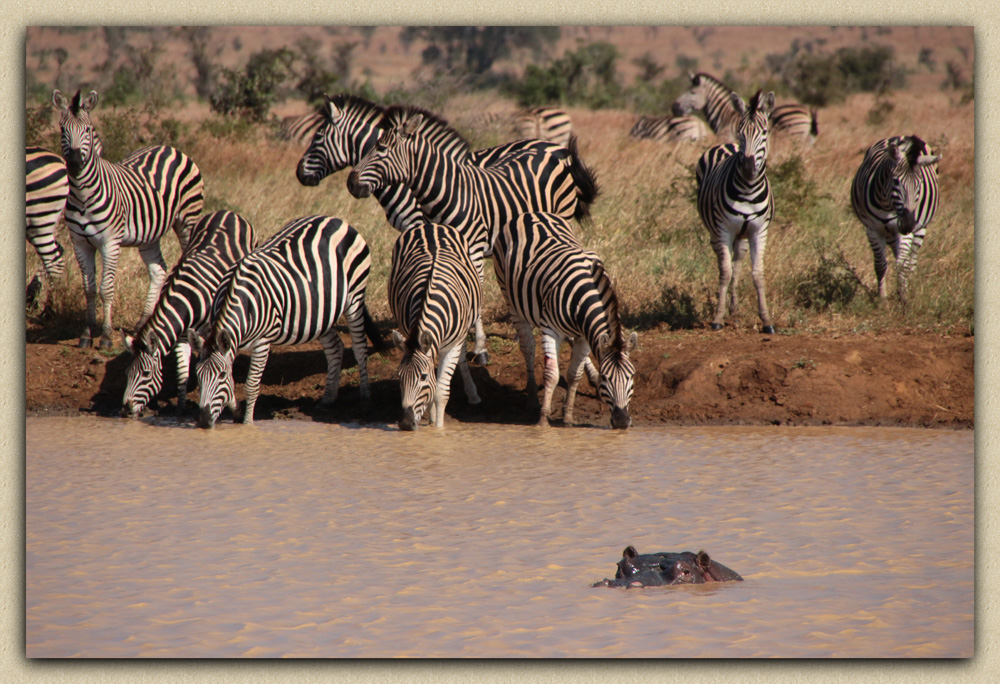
<point x="645" y="224"/>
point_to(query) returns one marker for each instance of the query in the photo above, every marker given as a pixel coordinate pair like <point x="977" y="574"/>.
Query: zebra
<point x="301" y="128"/>
<point x="713" y="98"/>
<point x="735" y="203"/>
<point x="290" y="290"/>
<point x="454" y="190"/>
<point x="130" y="204"/>
<point x="217" y="242"/>
<point x="551" y="282"/>
<point x="795" y="120"/>
<point x="895" y="196"/>
<point x="666" y="129"/>
<point x="544" y="123"/>
<point x="435" y="294"/>
<point x="46" y="189"/>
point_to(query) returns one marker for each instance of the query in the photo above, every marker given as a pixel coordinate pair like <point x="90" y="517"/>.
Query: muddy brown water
<point x="294" y="539"/>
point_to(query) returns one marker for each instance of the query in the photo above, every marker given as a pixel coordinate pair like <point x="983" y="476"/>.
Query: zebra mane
<point x="76" y="106"/>
<point x="917" y="147"/>
<point x="713" y="81"/>
<point x="432" y="126"/>
<point x="612" y="310"/>
<point x="356" y="105"/>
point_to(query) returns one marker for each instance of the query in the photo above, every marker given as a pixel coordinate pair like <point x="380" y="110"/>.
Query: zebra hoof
<point x="85" y="343"/>
<point x="767" y="330"/>
<point x="716" y="326"/>
<point x="106" y="344"/>
<point x="481" y="359"/>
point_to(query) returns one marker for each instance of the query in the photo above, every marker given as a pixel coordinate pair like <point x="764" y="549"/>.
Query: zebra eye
<point x="146" y="373"/>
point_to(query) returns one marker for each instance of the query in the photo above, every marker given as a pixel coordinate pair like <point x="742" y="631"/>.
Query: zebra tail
<point x="585" y="181"/>
<point x="814" y="126"/>
<point x="372" y="331"/>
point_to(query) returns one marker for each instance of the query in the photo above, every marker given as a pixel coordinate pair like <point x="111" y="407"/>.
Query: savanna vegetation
<point x="645" y="225"/>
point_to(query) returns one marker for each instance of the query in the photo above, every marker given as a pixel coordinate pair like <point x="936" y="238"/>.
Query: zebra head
<point x="387" y="162"/>
<point x="908" y="156"/>
<point x="79" y="141"/>
<point x="417" y="376"/>
<point x="340" y="141"/>
<point x="751" y="132"/>
<point x="691" y="100"/>
<point x="215" y="375"/>
<point x="617" y="372"/>
<point x="145" y="374"/>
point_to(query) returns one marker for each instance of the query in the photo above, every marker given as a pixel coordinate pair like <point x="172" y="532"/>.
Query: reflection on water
<point x="299" y="539"/>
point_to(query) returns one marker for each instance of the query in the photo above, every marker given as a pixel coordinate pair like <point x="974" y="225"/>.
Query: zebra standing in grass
<point x="544" y="123"/>
<point x="300" y="129"/>
<point x="217" y="242"/>
<point x="797" y="121"/>
<point x="290" y="290"/>
<point x="435" y="294"/>
<point x="735" y="203"/>
<point x="895" y="195"/>
<point x="452" y="189"/>
<point x="46" y="188"/>
<point x="670" y="129"/>
<point x="551" y="282"/>
<point x="131" y="204"/>
<point x="712" y="98"/>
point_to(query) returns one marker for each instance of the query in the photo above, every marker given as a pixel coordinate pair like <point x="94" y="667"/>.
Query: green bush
<point x="821" y="79"/>
<point x="587" y="76"/>
<point x="832" y="283"/>
<point x="250" y="94"/>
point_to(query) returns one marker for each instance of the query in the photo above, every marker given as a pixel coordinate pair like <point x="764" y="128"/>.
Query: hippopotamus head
<point x="659" y="569"/>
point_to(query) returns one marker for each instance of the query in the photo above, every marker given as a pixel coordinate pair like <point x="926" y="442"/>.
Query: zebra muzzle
<point x="205" y="419"/>
<point x="307" y="178"/>
<point x="356" y="187"/>
<point x="409" y="420"/>
<point x="620" y="419"/>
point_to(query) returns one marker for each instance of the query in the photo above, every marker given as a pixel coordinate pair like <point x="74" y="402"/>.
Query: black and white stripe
<point x="544" y="123"/>
<point x="290" y="290"/>
<point x="795" y="121"/>
<point x="131" y="204"/>
<point x="300" y="128"/>
<point x="435" y="295"/>
<point x="551" y="282"/>
<point x="46" y="189"/>
<point x="895" y="195"/>
<point x="670" y="129"/>
<point x="735" y="203"/>
<point x="217" y="242"/>
<point x="712" y="98"/>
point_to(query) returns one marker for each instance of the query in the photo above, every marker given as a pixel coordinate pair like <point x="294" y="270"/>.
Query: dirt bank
<point x="683" y="378"/>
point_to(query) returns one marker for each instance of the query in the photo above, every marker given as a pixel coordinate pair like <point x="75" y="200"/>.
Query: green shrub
<point x="587" y="76"/>
<point x="832" y="283"/>
<point x="250" y="94"/>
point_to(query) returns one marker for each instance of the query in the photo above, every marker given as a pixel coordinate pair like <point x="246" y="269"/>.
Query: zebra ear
<point x="59" y="100"/>
<point x="224" y="342"/>
<point x="332" y="111"/>
<point x="632" y="342"/>
<point x="153" y="342"/>
<point x="412" y="124"/>
<point x="398" y="341"/>
<point x="738" y="103"/>
<point x="90" y="102"/>
<point x="764" y="103"/>
<point x="928" y="159"/>
<point x="894" y="150"/>
<point x="127" y="342"/>
<point x="603" y="343"/>
<point x="425" y="341"/>
<point x="695" y="78"/>
<point x="196" y="341"/>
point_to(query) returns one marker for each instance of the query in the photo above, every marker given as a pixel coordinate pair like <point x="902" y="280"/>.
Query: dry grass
<point x="645" y="224"/>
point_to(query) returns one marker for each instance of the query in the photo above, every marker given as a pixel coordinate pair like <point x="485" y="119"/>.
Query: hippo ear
<point x="704" y="562"/>
<point x="629" y="552"/>
<point x="398" y="341"/>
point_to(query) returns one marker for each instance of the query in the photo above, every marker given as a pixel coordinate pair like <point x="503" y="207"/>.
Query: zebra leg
<point x="739" y="258"/>
<point x="86" y="257"/>
<point x="183" y="351"/>
<point x="757" y="246"/>
<point x="258" y="359"/>
<point x="906" y="261"/>
<point x="550" y="347"/>
<point x="446" y="368"/>
<point x="581" y="353"/>
<point x="725" y="258"/>
<point x="110" y="251"/>
<point x="480" y="355"/>
<point x="333" y="348"/>
<point x="527" y="342"/>
<point x="877" y="242"/>
<point x="182" y="228"/>
<point x="153" y="259"/>
<point x="359" y="344"/>
<point x="470" y="387"/>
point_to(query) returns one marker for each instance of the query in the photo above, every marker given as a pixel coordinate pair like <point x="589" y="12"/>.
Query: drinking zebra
<point x="46" y="188"/>
<point x="544" y="123"/>
<point x="454" y="190"/>
<point x="670" y="129"/>
<point x="301" y="128"/>
<point x="551" y="282"/>
<point x="735" y="203"/>
<point x="895" y="195"/>
<point x="217" y="242"/>
<point x="435" y="294"/>
<point x="290" y="290"/>
<point x="131" y="204"/>
<point x="715" y="100"/>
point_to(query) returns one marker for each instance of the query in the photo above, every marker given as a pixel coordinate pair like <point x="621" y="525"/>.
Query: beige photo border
<point x="985" y="666"/>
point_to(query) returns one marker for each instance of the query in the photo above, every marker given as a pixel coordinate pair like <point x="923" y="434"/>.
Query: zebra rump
<point x="218" y="241"/>
<point x="46" y="189"/>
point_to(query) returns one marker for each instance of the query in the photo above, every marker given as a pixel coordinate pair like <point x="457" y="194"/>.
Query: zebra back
<point x="545" y="123"/>
<point x="795" y="120"/>
<point x="714" y="99"/>
<point x="46" y="189"/>
<point x="670" y="129"/>
<point x="300" y="128"/>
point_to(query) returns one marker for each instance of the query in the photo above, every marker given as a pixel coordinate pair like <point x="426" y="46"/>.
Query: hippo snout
<point x="620" y="419"/>
<point x="356" y="187"/>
